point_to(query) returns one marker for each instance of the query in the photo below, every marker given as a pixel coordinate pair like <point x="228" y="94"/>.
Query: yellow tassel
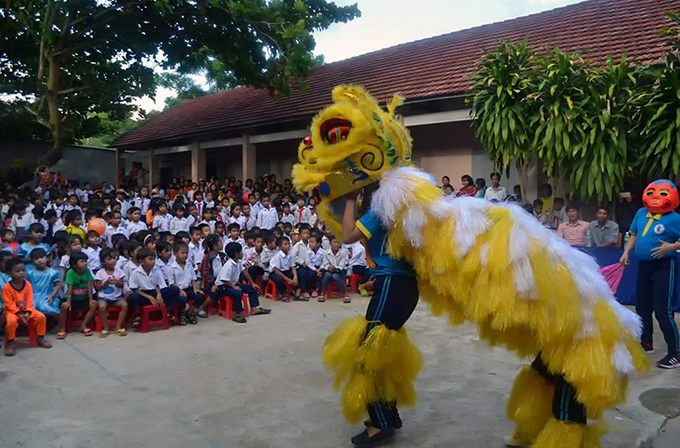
<point x="530" y="405"/>
<point x="382" y="367"/>
<point x="558" y="434"/>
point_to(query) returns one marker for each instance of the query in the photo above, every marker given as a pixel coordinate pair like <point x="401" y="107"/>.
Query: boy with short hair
<point x="227" y="284"/>
<point x="92" y="250"/>
<point x="299" y="253"/>
<point x="335" y="267"/>
<point x="161" y="221"/>
<point x="538" y="212"/>
<point x="234" y="230"/>
<point x="17" y="295"/>
<point x="287" y="217"/>
<point x="148" y="285"/>
<point x="134" y="223"/>
<point x="114" y="227"/>
<point x="282" y="269"/>
<point x="184" y="275"/>
<point x="267" y="217"/>
<point x="314" y="260"/>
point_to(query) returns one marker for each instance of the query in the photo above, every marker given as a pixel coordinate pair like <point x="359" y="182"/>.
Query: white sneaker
<point x="511" y="440"/>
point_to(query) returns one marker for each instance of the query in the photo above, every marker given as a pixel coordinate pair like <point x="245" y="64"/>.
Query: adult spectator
<point x="445" y="181"/>
<point x="495" y="193"/>
<point x="468" y="188"/>
<point x="604" y="231"/>
<point x="573" y="231"/>
<point x="558" y="214"/>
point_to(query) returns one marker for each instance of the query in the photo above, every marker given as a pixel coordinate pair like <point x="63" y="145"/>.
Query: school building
<point x="246" y="133"/>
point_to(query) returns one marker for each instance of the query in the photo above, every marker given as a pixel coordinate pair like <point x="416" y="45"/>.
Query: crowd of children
<point x="185" y="249"/>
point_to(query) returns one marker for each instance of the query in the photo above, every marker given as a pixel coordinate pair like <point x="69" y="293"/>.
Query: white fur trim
<point x="622" y="359"/>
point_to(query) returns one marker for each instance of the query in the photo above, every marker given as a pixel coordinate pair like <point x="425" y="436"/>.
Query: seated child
<point x="109" y="281"/>
<point x="358" y="264"/>
<point x="92" y="251"/>
<point x="211" y="265"/>
<point x="163" y="260"/>
<point x="253" y="256"/>
<point x="149" y="288"/>
<point x="79" y="282"/>
<point x="36" y="234"/>
<point x="184" y="276"/>
<point x="335" y="267"/>
<point x="46" y="283"/>
<point x="74" y="222"/>
<point x="299" y="253"/>
<point x="235" y="235"/>
<point x="17" y="296"/>
<point x="72" y="246"/>
<point x="282" y="269"/>
<point x="227" y="284"/>
<point x="313" y="266"/>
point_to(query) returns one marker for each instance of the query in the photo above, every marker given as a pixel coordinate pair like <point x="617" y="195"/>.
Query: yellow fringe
<point x="530" y="405"/>
<point x="559" y="434"/>
<point x="382" y="367"/>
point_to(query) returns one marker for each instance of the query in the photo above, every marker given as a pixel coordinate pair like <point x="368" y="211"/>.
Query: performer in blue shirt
<point x="655" y="236"/>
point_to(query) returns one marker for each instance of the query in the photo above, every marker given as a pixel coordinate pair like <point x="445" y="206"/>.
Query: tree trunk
<point x="520" y="177"/>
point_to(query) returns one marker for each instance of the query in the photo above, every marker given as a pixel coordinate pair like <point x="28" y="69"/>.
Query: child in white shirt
<point x="335" y="266"/>
<point x="161" y="221"/>
<point x="178" y="223"/>
<point x="282" y="269"/>
<point x="314" y="260"/>
<point x="267" y="217"/>
<point x="109" y="281"/>
<point x="92" y="251"/>
<point x="299" y="253"/>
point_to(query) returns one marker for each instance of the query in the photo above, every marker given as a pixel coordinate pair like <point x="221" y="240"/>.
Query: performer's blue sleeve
<point x="369" y="224"/>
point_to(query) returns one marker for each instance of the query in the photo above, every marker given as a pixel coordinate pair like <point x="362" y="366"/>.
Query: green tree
<point x="67" y="61"/>
<point x="498" y="98"/>
<point x="656" y="110"/>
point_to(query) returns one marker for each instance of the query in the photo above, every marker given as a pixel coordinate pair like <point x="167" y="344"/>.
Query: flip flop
<point x="9" y="352"/>
<point x="261" y="311"/>
<point x="121" y="332"/>
<point x="87" y="332"/>
<point x="104" y="333"/>
<point x="45" y="344"/>
<point x="239" y="319"/>
<point x="61" y="335"/>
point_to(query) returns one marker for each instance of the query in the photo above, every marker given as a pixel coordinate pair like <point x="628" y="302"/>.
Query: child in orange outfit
<point x="18" y="297"/>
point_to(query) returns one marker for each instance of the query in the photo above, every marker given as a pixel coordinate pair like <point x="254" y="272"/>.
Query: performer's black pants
<point x="656" y="293"/>
<point x="393" y="301"/>
<point x="565" y="406"/>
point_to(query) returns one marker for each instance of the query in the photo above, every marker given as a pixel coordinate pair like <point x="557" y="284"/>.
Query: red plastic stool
<point x="353" y="281"/>
<point x="75" y="318"/>
<point x="147" y="323"/>
<point x="333" y="291"/>
<point x="258" y="280"/>
<point x="111" y="320"/>
<point x="30" y="334"/>
<point x="271" y="291"/>
<point x="226" y="307"/>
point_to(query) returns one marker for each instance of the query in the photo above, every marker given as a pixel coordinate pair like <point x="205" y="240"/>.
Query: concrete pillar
<point x="197" y="162"/>
<point x="154" y="169"/>
<point x="120" y="163"/>
<point x="248" y="159"/>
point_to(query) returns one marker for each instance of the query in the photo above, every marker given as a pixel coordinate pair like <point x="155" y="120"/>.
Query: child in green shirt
<point x="78" y="294"/>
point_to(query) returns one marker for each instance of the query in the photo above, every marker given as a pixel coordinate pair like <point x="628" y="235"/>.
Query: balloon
<point x="246" y="197"/>
<point x="98" y="225"/>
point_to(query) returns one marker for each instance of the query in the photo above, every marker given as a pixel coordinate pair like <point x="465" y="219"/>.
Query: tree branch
<point x="72" y="90"/>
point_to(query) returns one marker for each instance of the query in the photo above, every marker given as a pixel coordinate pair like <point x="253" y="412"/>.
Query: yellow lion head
<point x="353" y="143"/>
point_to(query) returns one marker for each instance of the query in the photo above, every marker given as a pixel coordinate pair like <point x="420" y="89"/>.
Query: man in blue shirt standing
<point x="655" y="236"/>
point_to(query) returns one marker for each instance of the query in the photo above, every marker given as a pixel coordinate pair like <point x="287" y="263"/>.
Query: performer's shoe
<point x="669" y="362"/>
<point x="648" y="348"/>
<point x="512" y="440"/>
<point x="364" y="440"/>
<point x="396" y="421"/>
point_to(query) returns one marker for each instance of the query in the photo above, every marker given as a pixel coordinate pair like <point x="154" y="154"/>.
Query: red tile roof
<point x="427" y="68"/>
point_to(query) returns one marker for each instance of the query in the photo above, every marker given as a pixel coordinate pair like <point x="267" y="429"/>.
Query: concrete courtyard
<point x="220" y="384"/>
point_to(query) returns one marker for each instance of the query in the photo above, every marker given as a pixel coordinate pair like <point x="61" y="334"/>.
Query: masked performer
<point x="655" y="233"/>
<point x="490" y="264"/>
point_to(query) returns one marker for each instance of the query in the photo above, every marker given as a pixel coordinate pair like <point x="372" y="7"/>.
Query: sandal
<point x="61" y="335"/>
<point x="9" y="351"/>
<point x="44" y="344"/>
<point x="322" y="298"/>
<point x="285" y="299"/>
<point x="193" y="320"/>
<point x="121" y="332"/>
<point x="260" y="311"/>
<point x="300" y="299"/>
<point x="239" y="319"/>
<point x="182" y="320"/>
<point x="346" y="299"/>
<point x="315" y="294"/>
<point x="87" y="332"/>
<point x="104" y="334"/>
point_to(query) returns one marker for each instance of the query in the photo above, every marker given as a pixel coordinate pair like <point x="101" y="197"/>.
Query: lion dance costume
<point x="491" y="264"/>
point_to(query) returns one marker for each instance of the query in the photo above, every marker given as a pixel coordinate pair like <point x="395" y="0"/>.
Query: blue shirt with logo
<point x="376" y="234"/>
<point x="649" y="228"/>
